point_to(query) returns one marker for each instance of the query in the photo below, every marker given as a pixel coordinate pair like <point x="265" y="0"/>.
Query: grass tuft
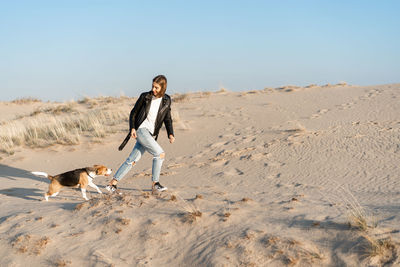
<point x="191" y="217"/>
<point x="382" y="250"/>
<point x="177" y="98"/>
<point x="48" y="129"/>
<point x="26" y="100"/>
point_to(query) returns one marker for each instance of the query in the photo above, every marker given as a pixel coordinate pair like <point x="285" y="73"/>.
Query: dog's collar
<point x="88" y="173"/>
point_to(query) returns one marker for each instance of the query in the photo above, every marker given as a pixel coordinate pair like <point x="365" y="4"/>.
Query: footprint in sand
<point x="218" y="162"/>
<point x="216" y="145"/>
<point x="370" y="94"/>
<point x="248" y="139"/>
<point x="319" y="113"/>
<point x="175" y="165"/>
<point x="231" y="172"/>
<point x="346" y="105"/>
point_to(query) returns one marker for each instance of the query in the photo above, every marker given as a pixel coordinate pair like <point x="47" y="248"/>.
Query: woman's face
<point x="156" y="90"/>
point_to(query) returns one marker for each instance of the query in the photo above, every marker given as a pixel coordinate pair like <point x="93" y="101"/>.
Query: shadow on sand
<point x="302" y="223"/>
<point x="15" y="174"/>
<point x="24" y="193"/>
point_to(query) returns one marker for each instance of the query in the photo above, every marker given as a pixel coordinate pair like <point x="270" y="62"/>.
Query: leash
<point x="123" y="144"/>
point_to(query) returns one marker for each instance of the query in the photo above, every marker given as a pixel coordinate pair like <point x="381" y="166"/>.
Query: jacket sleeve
<point x="168" y="122"/>
<point x="134" y="111"/>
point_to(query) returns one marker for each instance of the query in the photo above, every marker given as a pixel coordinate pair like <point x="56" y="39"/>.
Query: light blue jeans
<point x="144" y="142"/>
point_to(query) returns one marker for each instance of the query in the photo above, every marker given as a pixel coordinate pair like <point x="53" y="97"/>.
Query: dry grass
<point x="102" y="101"/>
<point x="89" y="102"/>
<point x="343" y="83"/>
<point x="292" y="252"/>
<point x="191" y="217"/>
<point x="358" y="217"/>
<point x="378" y="247"/>
<point x="57" y="110"/>
<point x="205" y="94"/>
<point x="381" y="250"/>
<point x="358" y="221"/>
<point x="27" y="243"/>
<point x="25" y="100"/>
<point x="123" y="221"/>
<point x="40" y="245"/>
<point x="61" y="262"/>
<point x="191" y="212"/>
<point x="311" y="86"/>
<point x="48" y="130"/>
<point x="177" y="98"/>
<point x="175" y="116"/>
<point x="79" y="206"/>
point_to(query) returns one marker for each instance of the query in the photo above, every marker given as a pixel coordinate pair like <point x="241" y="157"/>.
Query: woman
<point x="145" y="120"/>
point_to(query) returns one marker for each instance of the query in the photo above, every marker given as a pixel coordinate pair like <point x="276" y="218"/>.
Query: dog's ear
<point x="100" y="169"/>
<point x="96" y="166"/>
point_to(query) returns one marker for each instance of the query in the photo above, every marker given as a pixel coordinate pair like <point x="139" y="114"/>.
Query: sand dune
<point x="297" y="176"/>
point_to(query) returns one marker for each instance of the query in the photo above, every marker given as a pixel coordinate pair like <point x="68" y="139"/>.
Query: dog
<point x="80" y="177"/>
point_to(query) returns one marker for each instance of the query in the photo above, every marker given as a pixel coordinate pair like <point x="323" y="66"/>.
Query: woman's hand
<point x="133" y="133"/>
<point x="171" y="138"/>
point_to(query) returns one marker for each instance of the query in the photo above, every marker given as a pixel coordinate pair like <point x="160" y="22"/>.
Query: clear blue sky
<point x="62" y="50"/>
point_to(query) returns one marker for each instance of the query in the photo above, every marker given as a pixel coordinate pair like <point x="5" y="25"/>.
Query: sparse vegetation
<point x="378" y="247"/>
<point x="381" y="251"/>
<point x="292" y="252"/>
<point x="27" y="243"/>
<point x="79" y="206"/>
<point x="246" y="199"/>
<point x="311" y="86"/>
<point x="180" y="98"/>
<point x="123" y="221"/>
<point x="40" y="244"/>
<point x="48" y="130"/>
<point x="26" y="100"/>
<point x="57" y="110"/>
<point x="92" y="102"/>
<point x="191" y="216"/>
<point x="61" y="262"/>
<point x="205" y="94"/>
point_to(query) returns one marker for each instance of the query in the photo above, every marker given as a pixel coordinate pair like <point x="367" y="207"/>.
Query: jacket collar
<point x="150" y="95"/>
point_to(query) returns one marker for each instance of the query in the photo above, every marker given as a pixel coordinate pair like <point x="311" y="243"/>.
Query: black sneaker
<point x="157" y="186"/>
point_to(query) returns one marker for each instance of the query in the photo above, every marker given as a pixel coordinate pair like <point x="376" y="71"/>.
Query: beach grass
<point x="50" y="128"/>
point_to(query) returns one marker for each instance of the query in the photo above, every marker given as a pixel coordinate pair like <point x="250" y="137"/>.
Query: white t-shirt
<point x="150" y="120"/>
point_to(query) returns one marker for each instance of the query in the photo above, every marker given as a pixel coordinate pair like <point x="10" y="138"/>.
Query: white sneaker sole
<point x="162" y="190"/>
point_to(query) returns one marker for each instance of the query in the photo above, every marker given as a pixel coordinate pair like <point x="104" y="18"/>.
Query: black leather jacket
<point x="141" y="109"/>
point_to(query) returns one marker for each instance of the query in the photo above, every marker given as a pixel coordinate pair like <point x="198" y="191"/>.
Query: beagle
<point x="79" y="177"/>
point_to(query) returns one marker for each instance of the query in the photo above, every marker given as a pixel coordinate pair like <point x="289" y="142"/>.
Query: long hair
<point x="162" y="81"/>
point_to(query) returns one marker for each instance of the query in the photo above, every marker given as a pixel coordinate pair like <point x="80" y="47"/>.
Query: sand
<point x="268" y="177"/>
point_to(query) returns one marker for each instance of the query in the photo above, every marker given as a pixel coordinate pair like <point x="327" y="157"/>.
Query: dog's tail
<point x="43" y="174"/>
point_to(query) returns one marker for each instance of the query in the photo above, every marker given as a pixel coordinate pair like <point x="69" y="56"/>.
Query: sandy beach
<point x="288" y="176"/>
